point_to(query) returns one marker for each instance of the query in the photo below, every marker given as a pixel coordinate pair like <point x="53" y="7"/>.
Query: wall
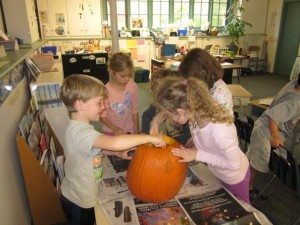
<point x="14" y="208"/>
<point x="272" y="31"/>
<point x="1" y="22"/>
<point x="255" y="13"/>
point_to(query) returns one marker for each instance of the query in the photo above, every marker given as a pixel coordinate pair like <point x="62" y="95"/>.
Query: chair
<point x="244" y="126"/>
<point x="285" y="164"/>
<point x="255" y="62"/>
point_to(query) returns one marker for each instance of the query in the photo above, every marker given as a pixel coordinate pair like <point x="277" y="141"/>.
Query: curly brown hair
<point x="190" y="94"/>
<point x="159" y="74"/>
<point x="199" y="64"/>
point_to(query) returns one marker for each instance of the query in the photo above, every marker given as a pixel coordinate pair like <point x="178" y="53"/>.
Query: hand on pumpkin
<point x="187" y="154"/>
<point x="157" y="120"/>
<point x="118" y="131"/>
<point x="190" y="143"/>
<point x="158" y="140"/>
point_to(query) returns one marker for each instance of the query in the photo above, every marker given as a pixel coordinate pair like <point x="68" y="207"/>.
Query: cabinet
<point x="69" y="17"/>
<point x="57" y="17"/>
<point x="84" y="17"/>
<point x="53" y="18"/>
<point x="21" y="20"/>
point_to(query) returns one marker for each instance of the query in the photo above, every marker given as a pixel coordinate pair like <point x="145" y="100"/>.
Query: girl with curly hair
<point x="212" y="129"/>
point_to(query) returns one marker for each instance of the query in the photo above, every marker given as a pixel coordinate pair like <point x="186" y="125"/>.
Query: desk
<point x="257" y="107"/>
<point x="159" y="63"/>
<point x="206" y="176"/>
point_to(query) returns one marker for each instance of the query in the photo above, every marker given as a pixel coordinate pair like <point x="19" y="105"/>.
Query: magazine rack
<point x="43" y="198"/>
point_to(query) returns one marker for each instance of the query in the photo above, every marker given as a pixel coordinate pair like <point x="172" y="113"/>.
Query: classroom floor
<point x="282" y="207"/>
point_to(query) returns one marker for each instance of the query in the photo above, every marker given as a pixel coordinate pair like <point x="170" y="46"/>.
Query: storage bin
<point x="47" y="49"/>
<point x="182" y="32"/>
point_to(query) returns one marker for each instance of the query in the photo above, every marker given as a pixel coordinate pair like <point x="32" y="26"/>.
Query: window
<point x="121" y="12"/>
<point x="201" y="12"/>
<point x="181" y="12"/>
<point x="219" y="9"/>
<point x="139" y="10"/>
<point x="159" y="13"/>
<point x="160" y="18"/>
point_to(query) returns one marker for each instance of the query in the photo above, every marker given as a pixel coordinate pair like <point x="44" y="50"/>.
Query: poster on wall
<point x="44" y="16"/>
<point x="60" y="19"/>
<point x="136" y="22"/>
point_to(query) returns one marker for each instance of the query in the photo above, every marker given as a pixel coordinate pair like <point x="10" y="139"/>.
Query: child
<point x="212" y="129"/>
<point x="84" y="98"/>
<point x="122" y="113"/>
<point x="273" y="128"/>
<point x="199" y="64"/>
<point x="180" y="133"/>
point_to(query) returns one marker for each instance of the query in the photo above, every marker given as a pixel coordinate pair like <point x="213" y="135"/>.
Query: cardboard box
<point x="240" y="96"/>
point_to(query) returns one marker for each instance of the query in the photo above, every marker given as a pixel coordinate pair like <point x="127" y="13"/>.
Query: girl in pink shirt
<point x="122" y="110"/>
<point x="212" y="130"/>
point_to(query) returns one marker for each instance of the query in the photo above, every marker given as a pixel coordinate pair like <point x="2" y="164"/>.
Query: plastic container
<point x="182" y="32"/>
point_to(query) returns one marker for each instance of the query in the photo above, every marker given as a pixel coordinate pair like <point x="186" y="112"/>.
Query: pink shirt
<point x="122" y="104"/>
<point x="217" y="145"/>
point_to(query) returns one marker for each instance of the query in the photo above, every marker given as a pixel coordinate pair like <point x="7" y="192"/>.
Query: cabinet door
<point x="92" y="17"/>
<point x="75" y="9"/>
<point x="32" y="21"/>
<point x="44" y="18"/>
<point x="58" y="17"/>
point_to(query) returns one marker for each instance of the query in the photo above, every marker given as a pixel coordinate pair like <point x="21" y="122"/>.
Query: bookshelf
<point x="41" y="188"/>
<point x="43" y="197"/>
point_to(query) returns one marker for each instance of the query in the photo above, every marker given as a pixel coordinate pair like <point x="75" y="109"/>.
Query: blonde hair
<point x="159" y="74"/>
<point x="80" y="87"/>
<point x="120" y="61"/>
<point x="191" y="94"/>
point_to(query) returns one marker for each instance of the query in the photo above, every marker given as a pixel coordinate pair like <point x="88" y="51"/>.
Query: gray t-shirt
<point x="79" y="184"/>
<point x="284" y="110"/>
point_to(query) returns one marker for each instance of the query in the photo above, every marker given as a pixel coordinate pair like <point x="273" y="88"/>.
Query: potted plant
<point x="235" y="26"/>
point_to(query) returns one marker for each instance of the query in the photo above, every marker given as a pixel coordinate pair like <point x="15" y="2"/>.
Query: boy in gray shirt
<point x="274" y="128"/>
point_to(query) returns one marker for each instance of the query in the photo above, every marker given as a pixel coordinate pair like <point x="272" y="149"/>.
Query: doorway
<point x="289" y="38"/>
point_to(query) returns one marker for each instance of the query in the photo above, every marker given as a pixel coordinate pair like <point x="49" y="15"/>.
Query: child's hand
<point x="276" y="141"/>
<point x="186" y="154"/>
<point x="154" y="128"/>
<point x="157" y="120"/>
<point x="158" y="140"/>
<point x="118" y="131"/>
<point x="190" y="143"/>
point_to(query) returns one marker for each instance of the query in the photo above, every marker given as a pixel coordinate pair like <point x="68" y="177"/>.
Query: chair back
<point x="283" y="164"/>
<point x="244" y="126"/>
<point x="254" y="48"/>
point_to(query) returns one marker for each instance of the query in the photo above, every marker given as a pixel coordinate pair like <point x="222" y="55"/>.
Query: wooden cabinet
<point x="69" y="17"/>
<point x="53" y="18"/>
<point x="57" y="12"/>
<point x="84" y="17"/>
<point x="21" y="20"/>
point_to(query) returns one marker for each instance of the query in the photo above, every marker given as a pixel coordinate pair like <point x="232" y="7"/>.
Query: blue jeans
<point x="77" y="215"/>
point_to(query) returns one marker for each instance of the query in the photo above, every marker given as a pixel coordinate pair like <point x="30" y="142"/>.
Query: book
<point x="215" y="206"/>
<point x="266" y="101"/>
<point x="165" y="213"/>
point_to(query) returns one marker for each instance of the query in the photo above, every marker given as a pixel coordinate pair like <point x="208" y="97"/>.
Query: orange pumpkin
<point x="154" y="174"/>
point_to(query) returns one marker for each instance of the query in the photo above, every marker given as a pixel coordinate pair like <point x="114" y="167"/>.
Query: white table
<point x="205" y="175"/>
